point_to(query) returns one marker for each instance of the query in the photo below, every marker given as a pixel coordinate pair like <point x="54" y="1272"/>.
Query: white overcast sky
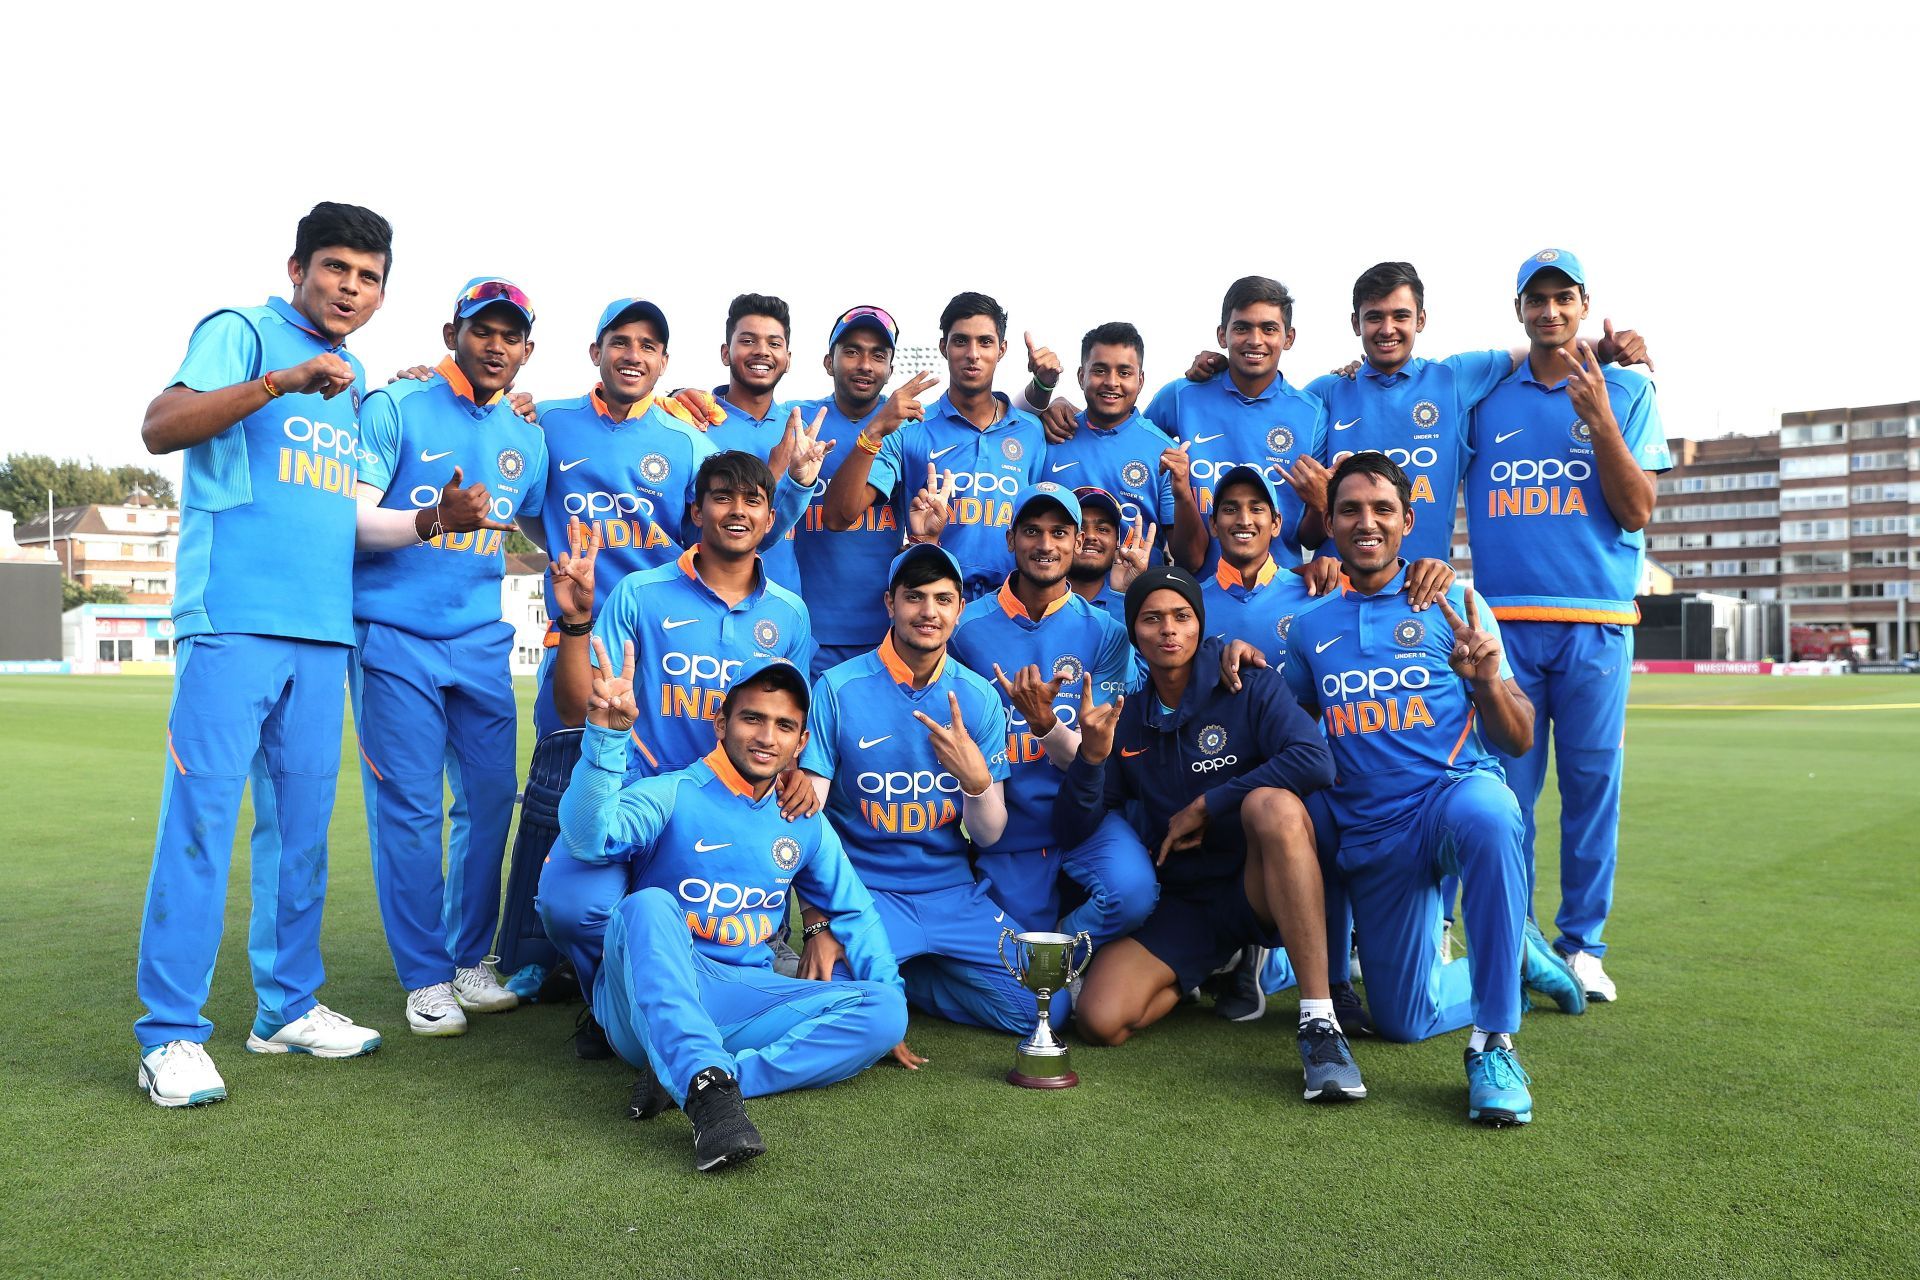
<point x="1738" y="180"/>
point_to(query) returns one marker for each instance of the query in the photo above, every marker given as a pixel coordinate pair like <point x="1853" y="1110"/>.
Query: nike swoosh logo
<point x="1208" y="439"/>
<point x="998" y="916"/>
<point x="1342" y="426"/>
<point x="873" y="742"/>
<point x="1324" y="645"/>
<point x="701" y="846"/>
<point x="568" y="466"/>
<point x="938" y="454"/>
<point x="1502" y="439"/>
<point x="434" y="457"/>
<point x="1058" y="467"/>
<point x="1139" y="751"/>
<point x="668" y="624"/>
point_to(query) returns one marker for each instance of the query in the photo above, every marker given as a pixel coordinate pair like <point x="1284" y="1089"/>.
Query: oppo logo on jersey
<point x="306" y="466"/>
<point x="1382" y="704"/>
<point x="1209" y="470"/>
<point x="1532" y="489"/>
<point x="322" y="437"/>
<point x="425" y="495"/>
<point x="1218" y="762"/>
<point x="729" y="914"/>
<point x="1540" y="470"/>
<point x="1341" y="685"/>
<point x="1416" y="462"/>
<point x="909" y="801"/>
<point x="595" y="503"/>
<point x="696" y="684"/>
<point x="909" y="785"/>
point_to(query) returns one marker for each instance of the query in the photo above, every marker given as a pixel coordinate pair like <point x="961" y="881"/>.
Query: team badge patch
<point x="354" y="392"/>
<point x="512" y="465"/>
<point x="1426" y="414"/>
<point x="1213" y="739"/>
<point x="653" y="468"/>
<point x="1012" y="449"/>
<point x="765" y="634"/>
<point x="1547" y="255"/>
<point x="1279" y="440"/>
<point x="1409" y="632"/>
<point x="1581" y="432"/>
<point x="1284" y="625"/>
<point x="786" y="853"/>
<point x="1068" y="668"/>
<point x="1135" y="474"/>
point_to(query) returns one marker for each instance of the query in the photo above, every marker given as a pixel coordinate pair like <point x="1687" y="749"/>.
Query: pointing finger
<point x="1028" y="335"/>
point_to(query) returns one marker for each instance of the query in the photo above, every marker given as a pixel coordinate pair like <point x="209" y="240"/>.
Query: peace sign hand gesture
<point x="902" y="407"/>
<point x="931" y="508"/>
<point x="1033" y="697"/>
<point x="611" y="704"/>
<point x="573" y="573"/>
<point x="1097" y="724"/>
<point x="1476" y="653"/>
<point x="809" y="452"/>
<point x="1587" y="387"/>
<point x="956" y="750"/>
<point x="1133" y="557"/>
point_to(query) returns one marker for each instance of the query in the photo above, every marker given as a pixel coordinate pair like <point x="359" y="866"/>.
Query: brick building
<point x="131" y="546"/>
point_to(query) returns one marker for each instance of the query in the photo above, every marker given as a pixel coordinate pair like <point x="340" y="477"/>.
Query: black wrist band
<point x="574" y="628"/>
<point x="815" y="929"/>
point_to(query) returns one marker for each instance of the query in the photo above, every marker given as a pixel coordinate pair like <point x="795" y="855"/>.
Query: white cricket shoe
<point x="1594" y="979"/>
<point x="320" y="1032"/>
<point x="432" y="1011"/>
<point x="180" y="1074"/>
<point x="479" y="989"/>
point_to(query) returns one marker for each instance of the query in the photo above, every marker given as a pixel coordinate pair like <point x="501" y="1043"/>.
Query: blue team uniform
<point x="1260" y="612"/>
<point x="264" y="621"/>
<point x="898" y="813"/>
<point x="1418" y="796"/>
<point x="843" y="575"/>
<point x="1230" y="430"/>
<point x="688" y="981"/>
<point x="432" y="687"/>
<point x="1561" y="575"/>
<point x="1418" y="416"/>
<point x="688" y="645"/>
<point x="1216" y="742"/>
<point x="1125" y="461"/>
<point x="989" y="469"/>
<point x="1022" y="869"/>
<point x="760" y="437"/>
<point x="632" y="479"/>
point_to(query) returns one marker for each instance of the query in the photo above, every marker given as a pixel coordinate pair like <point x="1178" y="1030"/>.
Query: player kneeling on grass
<point x="686" y="990"/>
<point x="1410" y="702"/>
<point x="1216" y="779"/>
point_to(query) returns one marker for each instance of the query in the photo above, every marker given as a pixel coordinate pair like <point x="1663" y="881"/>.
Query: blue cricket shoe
<point x="1546" y="971"/>
<point x="1332" y="1074"/>
<point x="527" y="981"/>
<point x="1497" y="1086"/>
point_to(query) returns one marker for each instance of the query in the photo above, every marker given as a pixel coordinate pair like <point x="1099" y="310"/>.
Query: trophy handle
<point x="1074" y="971"/>
<point x="1004" y="935"/>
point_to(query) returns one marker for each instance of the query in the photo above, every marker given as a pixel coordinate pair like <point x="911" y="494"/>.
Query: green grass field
<point x="1749" y="1108"/>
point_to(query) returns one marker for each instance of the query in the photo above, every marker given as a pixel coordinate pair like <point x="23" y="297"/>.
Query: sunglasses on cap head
<point x="857" y="314"/>
<point x="495" y="291"/>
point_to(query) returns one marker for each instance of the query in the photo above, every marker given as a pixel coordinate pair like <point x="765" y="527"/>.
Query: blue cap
<point x="922" y="551"/>
<point x="1561" y="260"/>
<point x="1094" y="496"/>
<point x="625" y="311"/>
<point x="1047" y="489"/>
<point x="481" y="292"/>
<point x="784" y="673"/>
<point x="866" y="317"/>
<point x="1244" y="474"/>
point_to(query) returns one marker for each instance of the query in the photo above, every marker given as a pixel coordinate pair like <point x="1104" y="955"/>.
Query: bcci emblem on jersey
<point x="1409" y="632"/>
<point x="786" y="853"/>
<point x="766" y="634"/>
<point x="512" y="465"/>
<point x="1213" y="739"/>
<point x="1068" y="668"/>
<point x="1426" y="414"/>
<point x="1135" y="474"/>
<point x="1011" y="448"/>
<point x="1581" y="432"/>
<point x="653" y="468"/>
<point x="1279" y="440"/>
<point x="1284" y="625"/>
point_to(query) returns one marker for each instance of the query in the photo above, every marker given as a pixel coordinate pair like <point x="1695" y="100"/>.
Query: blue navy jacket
<point x="1216" y="742"/>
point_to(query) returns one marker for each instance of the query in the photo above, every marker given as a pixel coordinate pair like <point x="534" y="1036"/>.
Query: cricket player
<point x="266" y="406"/>
<point x="757" y="356"/>
<point x="1044" y="646"/>
<point x="1559" y="493"/>
<point x="1213" y="780"/>
<point x="1409" y="703"/>
<point x="687" y="992"/>
<point x="433" y="703"/>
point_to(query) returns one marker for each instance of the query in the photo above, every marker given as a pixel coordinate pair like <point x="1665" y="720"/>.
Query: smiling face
<point x="1551" y="308"/>
<point x="1255" y="337"/>
<point x="924" y="616"/>
<point x="1112" y="379"/>
<point x="490" y="348"/>
<point x="338" y="289"/>
<point x="1042" y="539"/>
<point x="973" y="349"/>
<point x="756" y="356"/>
<point x="1099" y="544"/>
<point x="1385" y="327"/>
<point x="1368" y="522"/>
<point x="733" y="522"/>
<point x="1167" y="630"/>
<point x="1245" y="524"/>
<point x="860" y="364"/>
<point x="631" y="357"/>
<point x="763" y="730"/>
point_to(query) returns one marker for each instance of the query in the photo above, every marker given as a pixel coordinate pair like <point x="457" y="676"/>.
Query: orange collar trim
<point x="1011" y="606"/>
<point x="634" y="410"/>
<point x="729" y="776"/>
<point x="898" y="669"/>
<point x="1227" y="576"/>
<point x="458" y="381"/>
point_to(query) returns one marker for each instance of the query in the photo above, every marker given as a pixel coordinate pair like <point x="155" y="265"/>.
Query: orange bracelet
<point x="273" y="392"/>
<point x="861" y="442"/>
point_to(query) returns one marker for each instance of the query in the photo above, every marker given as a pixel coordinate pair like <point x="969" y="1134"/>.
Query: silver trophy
<point x="1043" y="962"/>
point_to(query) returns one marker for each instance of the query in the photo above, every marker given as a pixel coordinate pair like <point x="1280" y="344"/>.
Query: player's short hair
<point x="967" y="305"/>
<point x="1249" y="291"/>
<point x="758" y="304"/>
<point x="347" y="225"/>
<point x="1114" y="333"/>
<point x="922" y="570"/>
<point x="1382" y="278"/>
<point x="1371" y="464"/>
<point x="734" y="471"/>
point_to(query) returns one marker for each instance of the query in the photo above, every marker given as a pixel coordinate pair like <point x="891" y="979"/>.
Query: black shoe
<point x="1244" y="1000"/>
<point x="722" y="1134"/>
<point x="1351" y="1011"/>
<point x="560" y="985"/>
<point x="649" y="1097"/>
<point x="589" y="1041"/>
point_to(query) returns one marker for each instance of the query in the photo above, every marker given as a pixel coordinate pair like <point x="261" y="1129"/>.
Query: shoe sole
<point x="474" y="1006"/>
<point x="437" y="1030"/>
<point x="1335" y="1094"/>
<point x="256" y="1045"/>
<point x="198" y="1099"/>
<point x="740" y="1156"/>
<point x="1494" y="1118"/>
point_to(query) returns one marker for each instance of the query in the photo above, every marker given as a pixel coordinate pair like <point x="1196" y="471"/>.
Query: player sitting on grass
<point x="1214" y="778"/>
<point x="1409" y="706"/>
<point x="686" y="990"/>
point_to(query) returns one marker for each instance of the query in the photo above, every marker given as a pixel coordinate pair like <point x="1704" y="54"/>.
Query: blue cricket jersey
<point x="896" y="809"/>
<point x="760" y="437"/>
<point x="688" y="645"/>
<point x="729" y="859"/>
<point x="413" y="434"/>
<point x="1418" y="416"/>
<point x="1396" y="717"/>
<point x="1545" y="544"/>
<point x="1231" y="430"/>
<point x="1125" y="461"/>
<point x="267" y="507"/>
<point x="1070" y="638"/>
<point x="989" y="468"/>
<point x="843" y="576"/>
<point x="1260" y="612"/>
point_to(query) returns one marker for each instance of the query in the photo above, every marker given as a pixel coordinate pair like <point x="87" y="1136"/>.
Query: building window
<point x="106" y="651"/>
<point x="1826" y="464"/>
<point x="163" y="648"/>
<point x="1812" y="499"/>
<point x="1818" y="433"/>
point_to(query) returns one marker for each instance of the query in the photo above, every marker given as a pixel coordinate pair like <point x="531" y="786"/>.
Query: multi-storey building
<point x="131" y="546"/>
